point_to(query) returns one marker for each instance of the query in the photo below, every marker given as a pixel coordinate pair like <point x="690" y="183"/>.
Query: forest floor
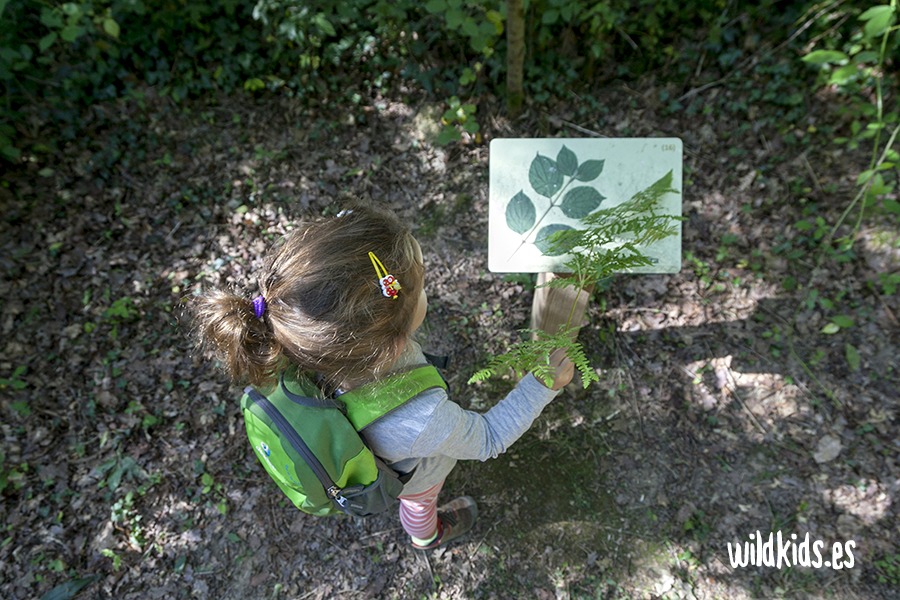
<point x="723" y="410"/>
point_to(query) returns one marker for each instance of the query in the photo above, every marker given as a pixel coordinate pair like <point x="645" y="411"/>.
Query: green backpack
<point x="311" y="445"/>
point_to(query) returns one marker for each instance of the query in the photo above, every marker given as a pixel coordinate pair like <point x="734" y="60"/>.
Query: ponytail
<point x="229" y="329"/>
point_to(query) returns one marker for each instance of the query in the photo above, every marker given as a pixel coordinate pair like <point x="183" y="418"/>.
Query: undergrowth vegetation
<point x="57" y="58"/>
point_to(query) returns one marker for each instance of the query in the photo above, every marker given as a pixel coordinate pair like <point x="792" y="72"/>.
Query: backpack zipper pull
<point x="334" y="492"/>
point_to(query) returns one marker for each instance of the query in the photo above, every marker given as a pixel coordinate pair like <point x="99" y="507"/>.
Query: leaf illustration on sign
<point x="589" y="170"/>
<point x="552" y="179"/>
<point x="520" y="213"/>
<point x="567" y="162"/>
<point x="544" y="176"/>
<point x="581" y="201"/>
<point x="544" y="239"/>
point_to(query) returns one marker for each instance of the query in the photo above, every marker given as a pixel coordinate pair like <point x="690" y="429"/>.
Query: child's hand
<point x="565" y="370"/>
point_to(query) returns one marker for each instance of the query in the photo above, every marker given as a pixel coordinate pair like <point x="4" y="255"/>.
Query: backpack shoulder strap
<point x="372" y="401"/>
<point x="309" y="395"/>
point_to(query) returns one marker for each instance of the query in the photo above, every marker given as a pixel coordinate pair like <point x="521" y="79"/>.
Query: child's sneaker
<point x="454" y="519"/>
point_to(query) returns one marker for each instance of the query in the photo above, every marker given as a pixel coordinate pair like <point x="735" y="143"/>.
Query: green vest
<point x="311" y="445"/>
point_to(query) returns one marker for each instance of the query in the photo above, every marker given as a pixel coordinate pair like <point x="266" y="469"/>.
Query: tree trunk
<point x="515" y="56"/>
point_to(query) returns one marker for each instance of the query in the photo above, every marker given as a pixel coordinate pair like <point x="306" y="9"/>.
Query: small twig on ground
<point x="697" y="90"/>
<point x="700" y="62"/>
<point x="484" y="537"/>
<point x="377" y="533"/>
<point x="811" y="172"/>
<point x="744" y="404"/>
<point x="887" y="309"/>
<point x="428" y="564"/>
<point x="733" y="382"/>
<point x="628" y="39"/>
<point x="579" y="128"/>
<point x="174" y="229"/>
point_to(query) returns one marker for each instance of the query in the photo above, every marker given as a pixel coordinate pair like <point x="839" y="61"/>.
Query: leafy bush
<point x="858" y="63"/>
<point x="56" y="58"/>
<point x="340" y="39"/>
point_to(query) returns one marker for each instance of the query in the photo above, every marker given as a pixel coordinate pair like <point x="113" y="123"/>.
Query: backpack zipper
<point x="331" y="489"/>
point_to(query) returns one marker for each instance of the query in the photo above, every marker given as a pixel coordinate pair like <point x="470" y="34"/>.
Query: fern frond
<point x="580" y="360"/>
<point x="533" y="355"/>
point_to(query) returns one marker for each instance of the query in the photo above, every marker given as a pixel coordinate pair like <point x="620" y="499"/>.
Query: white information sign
<point x="541" y="185"/>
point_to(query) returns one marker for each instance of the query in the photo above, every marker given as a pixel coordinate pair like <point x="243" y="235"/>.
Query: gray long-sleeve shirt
<point x="431" y="432"/>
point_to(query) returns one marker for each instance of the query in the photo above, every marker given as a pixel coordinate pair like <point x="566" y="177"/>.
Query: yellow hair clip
<point x="390" y="287"/>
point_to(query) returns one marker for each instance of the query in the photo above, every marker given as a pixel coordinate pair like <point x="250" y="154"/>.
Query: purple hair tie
<point x="259" y="306"/>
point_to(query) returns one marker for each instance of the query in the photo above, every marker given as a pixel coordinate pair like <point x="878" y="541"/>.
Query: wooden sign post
<point x="542" y="185"/>
<point x="551" y="307"/>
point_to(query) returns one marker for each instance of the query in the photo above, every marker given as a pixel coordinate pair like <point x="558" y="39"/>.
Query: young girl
<point x="342" y="297"/>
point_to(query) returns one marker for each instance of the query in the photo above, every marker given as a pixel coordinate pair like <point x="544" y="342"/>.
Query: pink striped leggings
<point x="418" y="512"/>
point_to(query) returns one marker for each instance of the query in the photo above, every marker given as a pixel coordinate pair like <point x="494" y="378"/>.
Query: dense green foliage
<point x="58" y="57"/>
<point x="854" y="65"/>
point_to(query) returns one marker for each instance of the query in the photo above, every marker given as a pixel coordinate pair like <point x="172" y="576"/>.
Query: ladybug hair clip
<point x="390" y="287"/>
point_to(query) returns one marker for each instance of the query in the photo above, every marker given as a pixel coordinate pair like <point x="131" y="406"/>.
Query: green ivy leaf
<point x="821" y="57"/>
<point x="47" y="41"/>
<point x="830" y="329"/>
<point x="842" y="321"/>
<point x="111" y="27"/>
<point x="589" y="170"/>
<point x="70" y="32"/>
<point x="448" y="135"/>
<point x="454" y="18"/>
<point x="496" y="20"/>
<point x="875" y="12"/>
<point x="866" y="56"/>
<point x="581" y="201"/>
<point x="878" y="20"/>
<point x="51" y="18"/>
<point x="73" y="9"/>
<point x="878" y="187"/>
<point x="843" y="75"/>
<point x="520" y="213"/>
<point x="567" y="162"/>
<point x="853" y="357"/>
<point x="544" y="176"/>
<point x="544" y="239"/>
<point x="253" y="84"/>
<point x="324" y="24"/>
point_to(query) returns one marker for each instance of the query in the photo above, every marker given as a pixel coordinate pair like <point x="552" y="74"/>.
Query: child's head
<point x="325" y="309"/>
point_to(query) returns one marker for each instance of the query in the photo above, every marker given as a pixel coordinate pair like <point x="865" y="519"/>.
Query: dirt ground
<point x="722" y="410"/>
